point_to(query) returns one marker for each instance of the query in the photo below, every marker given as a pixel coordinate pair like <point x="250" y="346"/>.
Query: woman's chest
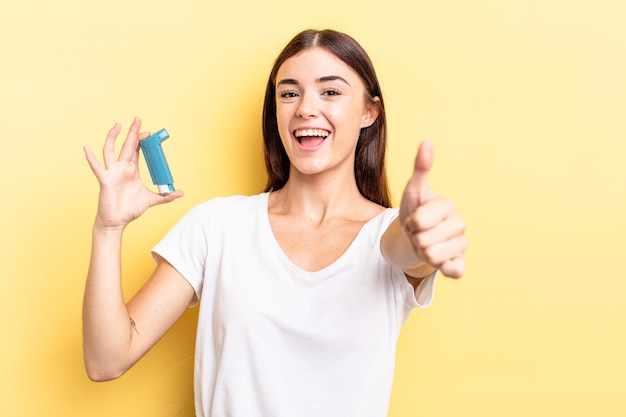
<point x="313" y="247"/>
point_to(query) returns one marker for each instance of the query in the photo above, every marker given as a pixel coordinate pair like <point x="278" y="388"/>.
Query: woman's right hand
<point x="123" y="196"/>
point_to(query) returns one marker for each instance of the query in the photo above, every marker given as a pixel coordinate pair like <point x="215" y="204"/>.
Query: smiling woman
<point x="345" y="52"/>
<point x="317" y="92"/>
<point x="304" y="287"/>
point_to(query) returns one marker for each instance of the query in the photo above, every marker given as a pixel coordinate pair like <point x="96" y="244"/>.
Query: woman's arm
<point x="116" y="335"/>
<point x="428" y="234"/>
<point x="397" y="250"/>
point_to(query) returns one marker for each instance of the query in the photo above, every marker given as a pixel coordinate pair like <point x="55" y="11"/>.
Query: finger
<point x="454" y="268"/>
<point x="131" y="144"/>
<point x="168" y="198"/>
<point x="109" y="145"/>
<point x="93" y="162"/>
<point x="447" y="229"/>
<point x="421" y="169"/>
<point x="434" y="212"/>
<point x="429" y="215"/>
<point x="143" y="135"/>
<point x="440" y="254"/>
<point x="416" y="190"/>
<point x="140" y="137"/>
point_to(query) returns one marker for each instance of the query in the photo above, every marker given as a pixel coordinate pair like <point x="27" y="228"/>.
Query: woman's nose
<point x="307" y="107"/>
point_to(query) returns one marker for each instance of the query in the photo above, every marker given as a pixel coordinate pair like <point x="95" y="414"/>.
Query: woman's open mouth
<point x="310" y="138"/>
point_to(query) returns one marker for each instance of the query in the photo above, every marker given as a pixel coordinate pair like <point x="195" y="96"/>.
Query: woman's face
<point x="321" y="107"/>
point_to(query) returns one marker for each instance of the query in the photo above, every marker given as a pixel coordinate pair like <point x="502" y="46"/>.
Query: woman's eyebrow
<point x="288" y="81"/>
<point x="291" y="81"/>
<point x="332" y="78"/>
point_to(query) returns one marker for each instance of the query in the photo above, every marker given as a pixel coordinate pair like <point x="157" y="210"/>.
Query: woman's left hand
<point x="431" y="223"/>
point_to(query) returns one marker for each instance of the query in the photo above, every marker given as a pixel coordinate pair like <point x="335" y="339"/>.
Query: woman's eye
<point x="331" y="92"/>
<point x="288" y="94"/>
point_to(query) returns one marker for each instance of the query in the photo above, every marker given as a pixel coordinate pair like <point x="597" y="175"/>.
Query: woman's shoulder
<point x="381" y="220"/>
<point x="375" y="213"/>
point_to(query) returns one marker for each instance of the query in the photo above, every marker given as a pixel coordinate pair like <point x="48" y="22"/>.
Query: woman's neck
<point x="317" y="199"/>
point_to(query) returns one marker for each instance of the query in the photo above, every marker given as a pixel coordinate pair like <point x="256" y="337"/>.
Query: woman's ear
<point x="370" y="114"/>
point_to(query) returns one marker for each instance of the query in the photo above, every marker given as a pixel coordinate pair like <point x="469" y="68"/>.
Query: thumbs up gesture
<point x="430" y="222"/>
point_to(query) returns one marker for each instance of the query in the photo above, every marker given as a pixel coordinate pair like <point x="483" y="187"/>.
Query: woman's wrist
<point x="106" y="230"/>
<point x="398" y="251"/>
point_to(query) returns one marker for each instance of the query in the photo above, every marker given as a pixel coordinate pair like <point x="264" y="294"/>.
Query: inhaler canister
<point x="157" y="164"/>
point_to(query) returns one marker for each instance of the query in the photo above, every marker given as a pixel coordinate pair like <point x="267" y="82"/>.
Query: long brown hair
<point x="369" y="164"/>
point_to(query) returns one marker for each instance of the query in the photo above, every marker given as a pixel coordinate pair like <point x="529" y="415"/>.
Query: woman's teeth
<point x="311" y="132"/>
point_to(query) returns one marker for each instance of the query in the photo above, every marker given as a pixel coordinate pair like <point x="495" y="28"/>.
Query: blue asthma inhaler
<point x="157" y="164"/>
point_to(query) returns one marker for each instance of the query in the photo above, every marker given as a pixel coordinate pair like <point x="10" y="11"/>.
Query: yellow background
<point x="525" y="102"/>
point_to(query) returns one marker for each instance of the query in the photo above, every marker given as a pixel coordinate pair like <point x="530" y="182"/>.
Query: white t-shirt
<point x="274" y="340"/>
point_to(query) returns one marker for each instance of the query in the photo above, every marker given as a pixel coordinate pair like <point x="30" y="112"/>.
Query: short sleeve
<point x="185" y="247"/>
<point x="420" y="297"/>
<point x="425" y="291"/>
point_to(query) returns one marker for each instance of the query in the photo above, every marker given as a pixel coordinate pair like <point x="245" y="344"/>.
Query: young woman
<point x="303" y="287"/>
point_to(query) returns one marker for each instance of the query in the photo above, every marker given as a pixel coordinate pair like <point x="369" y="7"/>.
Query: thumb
<point x="418" y="184"/>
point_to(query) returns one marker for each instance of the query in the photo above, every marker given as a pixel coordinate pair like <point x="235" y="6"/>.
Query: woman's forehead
<point x="314" y="63"/>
